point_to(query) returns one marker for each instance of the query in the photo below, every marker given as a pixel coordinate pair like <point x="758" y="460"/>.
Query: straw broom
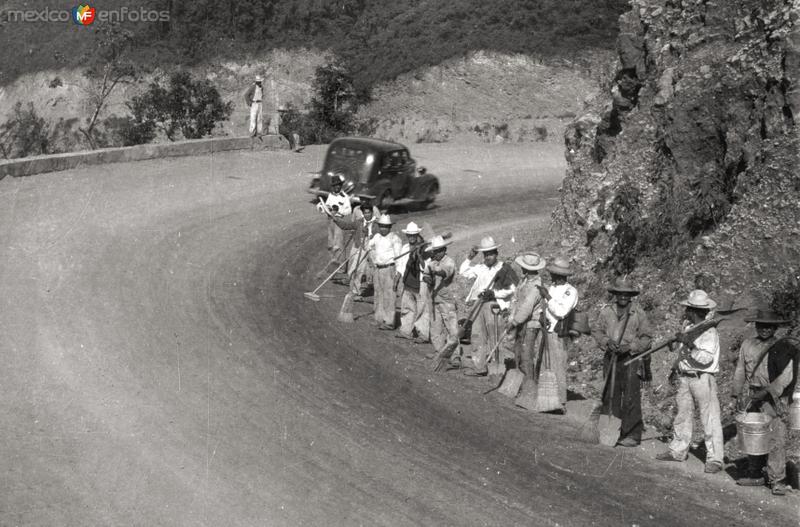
<point x="547" y="399"/>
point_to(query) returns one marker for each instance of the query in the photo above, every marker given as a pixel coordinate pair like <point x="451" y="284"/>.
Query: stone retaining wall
<point x="29" y="166"/>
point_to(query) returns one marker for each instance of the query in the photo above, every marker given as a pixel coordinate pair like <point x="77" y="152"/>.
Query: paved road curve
<point x="162" y="368"/>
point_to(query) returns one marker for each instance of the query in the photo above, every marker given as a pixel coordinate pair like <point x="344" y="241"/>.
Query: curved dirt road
<point x="162" y="367"/>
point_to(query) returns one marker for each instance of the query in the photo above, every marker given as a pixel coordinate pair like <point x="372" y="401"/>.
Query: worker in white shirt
<point x="494" y="285"/>
<point x="697" y="366"/>
<point x="561" y="298"/>
<point x="385" y="248"/>
<point x="336" y="205"/>
<point x="253" y="97"/>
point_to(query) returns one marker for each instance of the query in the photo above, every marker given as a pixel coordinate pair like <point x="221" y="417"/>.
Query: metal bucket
<point x="754" y="431"/>
<point x="794" y="414"/>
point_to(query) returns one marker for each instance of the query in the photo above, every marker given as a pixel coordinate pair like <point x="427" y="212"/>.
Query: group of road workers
<point x="518" y="323"/>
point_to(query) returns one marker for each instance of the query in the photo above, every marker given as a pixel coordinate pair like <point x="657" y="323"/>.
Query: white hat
<point x="437" y="242"/>
<point x="412" y="228"/>
<point x="699" y="299"/>
<point x="487" y="244"/>
<point x="259" y="78"/>
<point x="385" y="220"/>
<point x="531" y="261"/>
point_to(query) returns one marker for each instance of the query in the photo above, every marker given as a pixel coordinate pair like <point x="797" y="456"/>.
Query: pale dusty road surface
<point x="161" y="366"/>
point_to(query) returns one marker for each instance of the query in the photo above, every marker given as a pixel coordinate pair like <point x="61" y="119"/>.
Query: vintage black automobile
<point x="377" y="168"/>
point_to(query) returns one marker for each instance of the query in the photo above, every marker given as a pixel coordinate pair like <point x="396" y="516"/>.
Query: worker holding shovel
<point x="439" y="276"/>
<point x="494" y="283"/>
<point x="622" y="329"/>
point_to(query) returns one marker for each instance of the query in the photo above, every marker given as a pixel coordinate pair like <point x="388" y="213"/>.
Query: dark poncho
<point x="779" y="356"/>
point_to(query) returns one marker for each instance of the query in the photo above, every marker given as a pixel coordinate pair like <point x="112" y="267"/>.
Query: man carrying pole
<point x="623" y="400"/>
<point x="696" y="367"/>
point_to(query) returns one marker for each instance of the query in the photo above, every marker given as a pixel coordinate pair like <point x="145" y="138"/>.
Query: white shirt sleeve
<point x="467" y="270"/>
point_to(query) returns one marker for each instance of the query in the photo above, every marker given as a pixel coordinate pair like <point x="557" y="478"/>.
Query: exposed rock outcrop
<point x="688" y="164"/>
<point x="685" y="174"/>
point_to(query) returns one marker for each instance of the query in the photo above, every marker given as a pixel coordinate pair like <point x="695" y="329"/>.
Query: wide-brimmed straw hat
<point x="487" y="244"/>
<point x="622" y="285"/>
<point x="560" y="266"/>
<point x="385" y="220"/>
<point x="259" y="78"/>
<point x="530" y="261"/>
<point x="438" y="242"/>
<point x="766" y="316"/>
<point x="699" y="299"/>
<point x="412" y="228"/>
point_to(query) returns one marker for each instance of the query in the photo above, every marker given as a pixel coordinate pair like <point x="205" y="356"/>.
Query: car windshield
<point x="356" y="163"/>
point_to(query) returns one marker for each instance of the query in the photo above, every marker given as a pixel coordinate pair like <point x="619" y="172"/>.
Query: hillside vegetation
<point x="378" y="39"/>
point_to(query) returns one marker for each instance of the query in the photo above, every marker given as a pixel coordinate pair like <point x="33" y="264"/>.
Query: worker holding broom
<point x="364" y="226"/>
<point x="620" y="338"/>
<point x="494" y="284"/>
<point x="336" y="205"/>
<point x="561" y="299"/>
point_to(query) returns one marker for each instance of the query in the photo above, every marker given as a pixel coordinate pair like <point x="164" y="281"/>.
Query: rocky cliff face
<point x="689" y="164"/>
<point x="686" y="175"/>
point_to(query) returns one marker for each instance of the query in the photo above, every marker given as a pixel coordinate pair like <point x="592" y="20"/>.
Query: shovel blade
<point x="608" y="428"/>
<point x="312" y="296"/>
<point x="512" y="383"/>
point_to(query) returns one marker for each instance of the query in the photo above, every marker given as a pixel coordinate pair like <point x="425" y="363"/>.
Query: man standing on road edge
<point x="253" y="97"/>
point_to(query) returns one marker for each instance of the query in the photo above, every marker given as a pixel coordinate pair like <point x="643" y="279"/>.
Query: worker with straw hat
<point x="620" y="339"/>
<point x="763" y="382"/>
<point x="336" y="205"/>
<point x="523" y="319"/>
<point x="252" y="98"/>
<point x="560" y="301"/>
<point x="493" y="286"/>
<point x="696" y="367"/>
<point x="409" y="268"/>
<point x="385" y="247"/>
<point x="363" y="223"/>
<point x="439" y="275"/>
